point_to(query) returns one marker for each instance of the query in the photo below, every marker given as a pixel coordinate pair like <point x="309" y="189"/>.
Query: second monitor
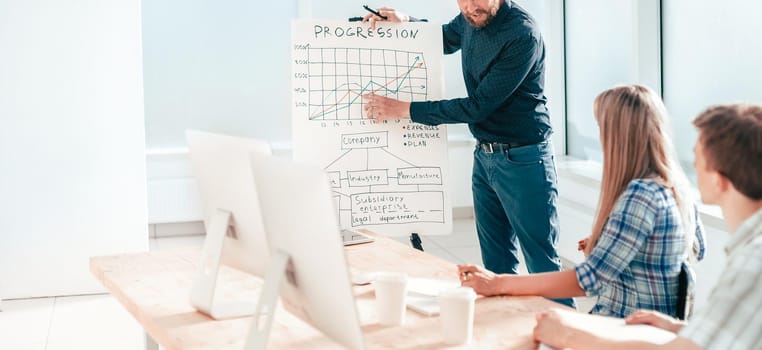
<point x="302" y="228"/>
<point x="234" y="229"/>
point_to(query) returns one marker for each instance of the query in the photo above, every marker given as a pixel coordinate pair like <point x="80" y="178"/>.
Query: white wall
<point x="220" y="66"/>
<point x="209" y="66"/>
<point x="72" y="183"/>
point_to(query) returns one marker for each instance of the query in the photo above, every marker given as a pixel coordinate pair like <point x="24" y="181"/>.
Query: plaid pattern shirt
<point x="640" y="252"/>
<point x="731" y="319"/>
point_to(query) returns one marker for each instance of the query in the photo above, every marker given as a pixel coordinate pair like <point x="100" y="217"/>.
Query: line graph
<point x="393" y="175"/>
<point x="338" y="77"/>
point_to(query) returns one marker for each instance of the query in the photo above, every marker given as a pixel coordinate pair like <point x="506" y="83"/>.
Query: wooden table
<point x="154" y="288"/>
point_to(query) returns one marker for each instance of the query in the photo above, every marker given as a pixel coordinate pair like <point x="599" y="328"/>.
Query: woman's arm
<point x="555" y="285"/>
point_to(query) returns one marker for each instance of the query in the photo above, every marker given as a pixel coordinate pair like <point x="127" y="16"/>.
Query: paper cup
<point x="456" y="315"/>
<point x="391" y="288"/>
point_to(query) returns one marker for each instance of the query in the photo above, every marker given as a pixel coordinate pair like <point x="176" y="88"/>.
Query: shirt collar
<point x="750" y="229"/>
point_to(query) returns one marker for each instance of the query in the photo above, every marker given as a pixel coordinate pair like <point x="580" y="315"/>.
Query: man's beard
<point x="489" y="16"/>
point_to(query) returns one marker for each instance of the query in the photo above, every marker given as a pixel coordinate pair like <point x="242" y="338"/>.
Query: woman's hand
<point x="582" y="244"/>
<point x="482" y="281"/>
<point x="552" y="329"/>
<point x="655" y="319"/>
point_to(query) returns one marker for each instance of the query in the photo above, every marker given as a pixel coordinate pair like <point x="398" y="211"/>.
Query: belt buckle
<point x="487" y="147"/>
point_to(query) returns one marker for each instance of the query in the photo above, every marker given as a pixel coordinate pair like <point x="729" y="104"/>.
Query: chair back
<point x="684" y="304"/>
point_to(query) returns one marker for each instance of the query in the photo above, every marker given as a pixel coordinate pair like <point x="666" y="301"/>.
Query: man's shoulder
<point x="517" y="28"/>
<point x="748" y="237"/>
<point x="519" y="20"/>
<point x="747" y="258"/>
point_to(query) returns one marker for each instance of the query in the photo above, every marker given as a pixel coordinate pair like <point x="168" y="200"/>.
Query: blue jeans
<point x="515" y="194"/>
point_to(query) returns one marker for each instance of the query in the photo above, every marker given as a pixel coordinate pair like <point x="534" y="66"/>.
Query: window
<point x="712" y="55"/>
<point x="607" y="43"/>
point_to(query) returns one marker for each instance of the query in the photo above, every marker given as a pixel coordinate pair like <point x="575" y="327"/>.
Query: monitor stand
<point x="205" y="280"/>
<point x="280" y="266"/>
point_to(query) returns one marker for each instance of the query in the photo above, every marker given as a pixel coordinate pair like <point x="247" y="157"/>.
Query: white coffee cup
<point x="456" y="315"/>
<point x="391" y="288"/>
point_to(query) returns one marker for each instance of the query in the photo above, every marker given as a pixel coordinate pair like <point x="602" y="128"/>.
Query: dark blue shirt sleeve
<point x="451" y="34"/>
<point x="514" y="62"/>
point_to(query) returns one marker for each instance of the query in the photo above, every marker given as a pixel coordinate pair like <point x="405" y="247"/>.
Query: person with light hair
<point x="728" y="162"/>
<point x="646" y="233"/>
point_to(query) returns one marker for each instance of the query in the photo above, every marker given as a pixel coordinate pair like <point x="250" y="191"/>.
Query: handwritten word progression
<point x="365" y="140"/>
<point x="368" y="177"/>
<point x="393" y="208"/>
<point x="365" y="32"/>
<point x="419" y="176"/>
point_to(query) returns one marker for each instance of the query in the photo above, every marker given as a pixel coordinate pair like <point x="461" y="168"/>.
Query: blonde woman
<point x="646" y="228"/>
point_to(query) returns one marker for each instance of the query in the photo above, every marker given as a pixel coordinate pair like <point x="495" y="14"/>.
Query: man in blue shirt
<point x="514" y="176"/>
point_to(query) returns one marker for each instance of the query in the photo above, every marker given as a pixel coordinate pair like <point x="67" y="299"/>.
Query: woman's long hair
<point x="636" y="140"/>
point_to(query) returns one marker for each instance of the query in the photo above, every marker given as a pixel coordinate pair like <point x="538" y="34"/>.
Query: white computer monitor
<point x="234" y="228"/>
<point x="302" y="227"/>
